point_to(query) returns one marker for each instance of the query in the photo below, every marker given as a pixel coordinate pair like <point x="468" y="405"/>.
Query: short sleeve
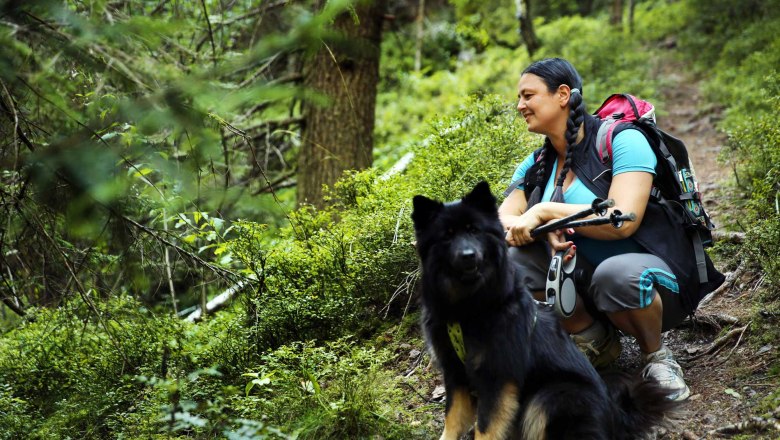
<point x="632" y="152"/>
<point x="522" y="169"/>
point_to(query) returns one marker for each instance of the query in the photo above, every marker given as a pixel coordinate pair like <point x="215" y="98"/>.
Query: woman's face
<point x="545" y="112"/>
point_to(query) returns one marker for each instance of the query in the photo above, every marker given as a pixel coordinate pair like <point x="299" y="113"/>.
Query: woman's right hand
<point x="518" y="230"/>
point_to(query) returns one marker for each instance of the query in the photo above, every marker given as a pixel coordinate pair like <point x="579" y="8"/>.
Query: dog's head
<point x="460" y="244"/>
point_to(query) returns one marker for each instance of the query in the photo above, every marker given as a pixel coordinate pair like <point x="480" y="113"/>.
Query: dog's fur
<point x="523" y="377"/>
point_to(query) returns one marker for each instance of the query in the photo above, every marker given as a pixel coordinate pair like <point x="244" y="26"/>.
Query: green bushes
<point x="334" y="270"/>
<point x="754" y="148"/>
<point x="336" y="390"/>
<point x="608" y="61"/>
<point x="74" y="373"/>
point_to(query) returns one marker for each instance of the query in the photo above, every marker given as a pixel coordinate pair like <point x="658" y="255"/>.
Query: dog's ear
<point x="424" y="211"/>
<point x="481" y="198"/>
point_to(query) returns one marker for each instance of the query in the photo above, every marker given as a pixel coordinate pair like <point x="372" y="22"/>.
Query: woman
<point x="631" y="288"/>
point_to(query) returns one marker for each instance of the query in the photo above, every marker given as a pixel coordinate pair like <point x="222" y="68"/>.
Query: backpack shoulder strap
<point x="521" y="180"/>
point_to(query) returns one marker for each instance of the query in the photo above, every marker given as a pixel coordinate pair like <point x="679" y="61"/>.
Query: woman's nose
<point x="520" y="105"/>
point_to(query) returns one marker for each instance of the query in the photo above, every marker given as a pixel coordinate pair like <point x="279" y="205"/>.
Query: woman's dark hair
<point x="555" y="72"/>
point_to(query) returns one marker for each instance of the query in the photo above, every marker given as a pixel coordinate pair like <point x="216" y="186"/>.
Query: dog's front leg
<point x="497" y="413"/>
<point x="460" y="414"/>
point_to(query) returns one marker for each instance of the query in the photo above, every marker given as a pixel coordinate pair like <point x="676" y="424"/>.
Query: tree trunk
<point x="339" y="136"/>
<point x="420" y="35"/>
<point x="526" y="22"/>
<point x="616" y="16"/>
<point x="631" y="7"/>
<point x="585" y="7"/>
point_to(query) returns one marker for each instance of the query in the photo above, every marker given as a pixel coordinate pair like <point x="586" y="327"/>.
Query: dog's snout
<point x="466" y="257"/>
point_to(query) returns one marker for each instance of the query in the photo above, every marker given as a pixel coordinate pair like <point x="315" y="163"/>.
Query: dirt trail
<point x="726" y="383"/>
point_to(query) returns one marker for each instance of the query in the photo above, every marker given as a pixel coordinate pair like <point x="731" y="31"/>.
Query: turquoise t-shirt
<point x="630" y="152"/>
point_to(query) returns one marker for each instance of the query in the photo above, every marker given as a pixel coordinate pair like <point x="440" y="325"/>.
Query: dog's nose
<point x="468" y="254"/>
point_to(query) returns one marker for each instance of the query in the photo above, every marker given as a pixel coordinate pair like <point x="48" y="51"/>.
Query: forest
<point x="205" y="205"/>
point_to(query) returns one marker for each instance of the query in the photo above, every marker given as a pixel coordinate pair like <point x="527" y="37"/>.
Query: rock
<point x="764" y="349"/>
<point x="438" y="393"/>
<point x="414" y="354"/>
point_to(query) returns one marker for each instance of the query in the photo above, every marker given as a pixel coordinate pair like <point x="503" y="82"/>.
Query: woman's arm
<point x="630" y="190"/>
<point x="512" y="207"/>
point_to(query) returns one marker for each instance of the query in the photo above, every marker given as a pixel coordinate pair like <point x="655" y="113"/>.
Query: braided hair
<point x="555" y="72"/>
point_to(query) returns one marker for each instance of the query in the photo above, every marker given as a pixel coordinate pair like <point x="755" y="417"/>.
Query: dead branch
<point x="284" y="181"/>
<point x="731" y="237"/>
<point x="720" y="342"/>
<point x="253" y="13"/>
<point x="219" y="301"/>
<point x="754" y="424"/>
<point x="731" y="278"/>
<point x="406" y="287"/>
<point x="714" y="320"/>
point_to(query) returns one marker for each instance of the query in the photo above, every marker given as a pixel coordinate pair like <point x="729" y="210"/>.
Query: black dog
<point x="507" y="363"/>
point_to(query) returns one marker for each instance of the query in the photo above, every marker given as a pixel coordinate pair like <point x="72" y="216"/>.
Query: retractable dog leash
<point x="560" y="289"/>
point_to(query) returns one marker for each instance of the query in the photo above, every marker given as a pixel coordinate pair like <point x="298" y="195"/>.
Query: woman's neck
<point x="558" y="140"/>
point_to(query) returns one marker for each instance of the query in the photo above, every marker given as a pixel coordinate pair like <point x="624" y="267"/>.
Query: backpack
<point x="675" y="183"/>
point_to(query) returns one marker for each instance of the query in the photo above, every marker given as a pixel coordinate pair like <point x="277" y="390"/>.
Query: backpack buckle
<point x="618" y="115"/>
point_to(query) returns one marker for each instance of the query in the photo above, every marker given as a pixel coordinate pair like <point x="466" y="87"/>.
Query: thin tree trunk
<point x="339" y="136"/>
<point x="526" y="22"/>
<point x="616" y="17"/>
<point x="167" y="261"/>
<point x="631" y="7"/>
<point x="420" y="35"/>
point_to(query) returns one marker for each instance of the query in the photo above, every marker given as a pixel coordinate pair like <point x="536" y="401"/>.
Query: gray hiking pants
<point x="622" y="282"/>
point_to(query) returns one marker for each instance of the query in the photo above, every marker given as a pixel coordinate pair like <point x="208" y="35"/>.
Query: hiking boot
<point x="662" y="367"/>
<point x="599" y="343"/>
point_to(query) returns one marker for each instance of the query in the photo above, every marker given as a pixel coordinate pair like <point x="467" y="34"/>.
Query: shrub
<point x="607" y="60"/>
<point x="74" y="371"/>
<point x="333" y="391"/>
<point x="754" y="148"/>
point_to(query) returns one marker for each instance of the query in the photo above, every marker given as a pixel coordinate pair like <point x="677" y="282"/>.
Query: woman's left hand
<point x="558" y="243"/>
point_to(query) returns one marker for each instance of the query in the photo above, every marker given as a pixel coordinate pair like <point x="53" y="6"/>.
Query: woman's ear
<point x="563" y="94"/>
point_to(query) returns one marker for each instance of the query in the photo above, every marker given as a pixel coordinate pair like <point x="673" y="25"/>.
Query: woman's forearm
<point x="548" y="211"/>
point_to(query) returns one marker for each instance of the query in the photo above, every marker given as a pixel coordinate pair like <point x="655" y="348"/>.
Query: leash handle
<point x="598" y="206"/>
<point x="560" y="289"/>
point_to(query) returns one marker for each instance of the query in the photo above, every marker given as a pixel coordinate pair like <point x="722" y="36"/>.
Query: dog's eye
<point x="470" y="228"/>
<point x="450" y="232"/>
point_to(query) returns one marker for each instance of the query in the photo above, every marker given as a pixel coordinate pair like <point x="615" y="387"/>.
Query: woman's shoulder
<point x="631" y="151"/>
<point x="631" y="135"/>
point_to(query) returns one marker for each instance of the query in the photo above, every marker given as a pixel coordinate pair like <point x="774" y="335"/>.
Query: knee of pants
<point x="609" y="284"/>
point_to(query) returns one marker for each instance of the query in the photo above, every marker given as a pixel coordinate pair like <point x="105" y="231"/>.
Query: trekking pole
<point x="616" y="219"/>
<point x="598" y="206"/>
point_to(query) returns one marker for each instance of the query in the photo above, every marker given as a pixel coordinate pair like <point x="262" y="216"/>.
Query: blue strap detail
<point x="651" y="277"/>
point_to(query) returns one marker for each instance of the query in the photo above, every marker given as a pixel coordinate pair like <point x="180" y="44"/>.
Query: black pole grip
<point x="598" y="206"/>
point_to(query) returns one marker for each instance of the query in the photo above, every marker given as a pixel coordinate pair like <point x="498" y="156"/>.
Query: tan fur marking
<point x="503" y="416"/>
<point x="534" y="422"/>
<point x="460" y="415"/>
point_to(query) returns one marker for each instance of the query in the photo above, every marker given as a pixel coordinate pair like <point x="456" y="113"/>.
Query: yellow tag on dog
<point x="456" y="338"/>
